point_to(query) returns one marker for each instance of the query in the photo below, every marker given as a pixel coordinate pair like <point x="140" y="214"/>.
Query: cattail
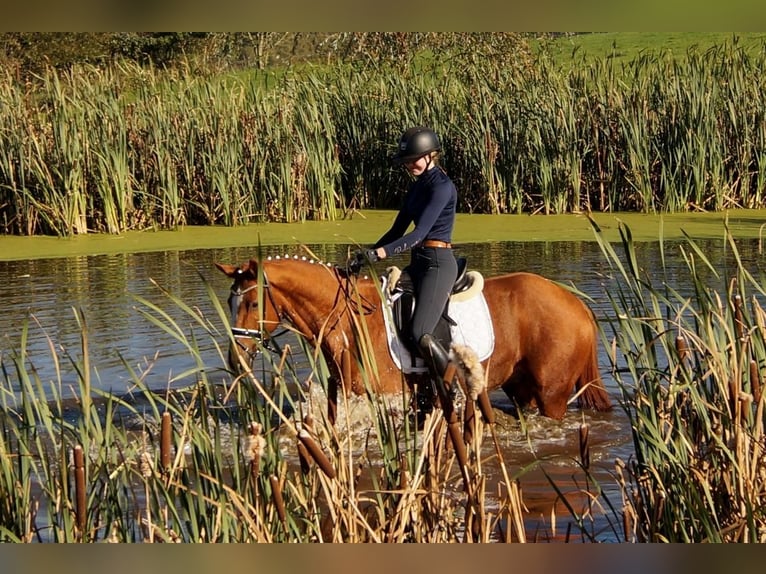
<point x="165" y="435"/>
<point x="453" y="430"/>
<point x="738" y="322"/>
<point x="303" y="454"/>
<point x="304" y="457"/>
<point x="316" y="453"/>
<point x="79" y="487"/>
<point x="471" y="371"/>
<point x="486" y="407"/>
<point x="279" y="502"/>
<point x="755" y="382"/>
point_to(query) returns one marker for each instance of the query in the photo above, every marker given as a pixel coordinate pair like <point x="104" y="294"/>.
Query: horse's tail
<point x="590" y="387"/>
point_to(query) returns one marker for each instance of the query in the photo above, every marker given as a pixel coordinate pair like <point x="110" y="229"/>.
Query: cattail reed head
<point x="470" y="368"/>
<point x="146" y="464"/>
<point x="256" y="444"/>
<point x="165" y="440"/>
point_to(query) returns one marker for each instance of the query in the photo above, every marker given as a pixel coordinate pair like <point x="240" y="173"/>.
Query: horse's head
<point x="253" y="314"/>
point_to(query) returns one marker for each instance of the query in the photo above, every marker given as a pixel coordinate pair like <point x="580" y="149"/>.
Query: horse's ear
<point x="226" y="269"/>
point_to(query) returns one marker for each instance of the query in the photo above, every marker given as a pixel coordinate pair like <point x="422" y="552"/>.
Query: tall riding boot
<point x="437" y="360"/>
<point x="435" y="356"/>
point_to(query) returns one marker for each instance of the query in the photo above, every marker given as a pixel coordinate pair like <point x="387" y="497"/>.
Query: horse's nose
<point x="240" y="351"/>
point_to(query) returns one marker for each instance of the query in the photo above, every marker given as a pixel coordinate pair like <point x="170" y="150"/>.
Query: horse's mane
<point x="295" y="257"/>
<point x="340" y="270"/>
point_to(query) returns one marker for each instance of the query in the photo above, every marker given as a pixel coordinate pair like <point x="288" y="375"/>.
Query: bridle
<point x="267" y="340"/>
<point x="241" y="333"/>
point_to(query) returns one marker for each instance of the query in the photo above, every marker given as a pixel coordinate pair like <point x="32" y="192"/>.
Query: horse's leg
<point x="520" y="387"/>
<point x="342" y="379"/>
<point x="423" y="398"/>
<point x="526" y="393"/>
<point x="555" y="384"/>
<point x="553" y="405"/>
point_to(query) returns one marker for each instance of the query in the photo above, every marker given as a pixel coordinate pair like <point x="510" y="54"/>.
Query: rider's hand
<point x="372" y="255"/>
<point x="355" y="263"/>
<point x="359" y="258"/>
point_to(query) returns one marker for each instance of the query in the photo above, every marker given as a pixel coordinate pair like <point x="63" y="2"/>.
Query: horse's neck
<point x="308" y="293"/>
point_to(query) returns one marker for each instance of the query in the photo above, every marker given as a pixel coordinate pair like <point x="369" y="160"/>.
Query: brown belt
<point x="437" y="243"/>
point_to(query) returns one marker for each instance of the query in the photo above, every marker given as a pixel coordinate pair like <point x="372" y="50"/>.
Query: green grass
<point x="622" y="47"/>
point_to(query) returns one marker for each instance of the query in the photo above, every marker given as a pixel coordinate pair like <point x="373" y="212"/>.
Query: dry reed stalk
<point x="734" y="397"/>
<point x="404" y="473"/>
<point x="628" y="522"/>
<point x="738" y="322"/>
<point x="585" y="445"/>
<point x="659" y="509"/>
<point x="453" y="428"/>
<point x="165" y="435"/>
<point x="79" y="487"/>
<point x="515" y="505"/>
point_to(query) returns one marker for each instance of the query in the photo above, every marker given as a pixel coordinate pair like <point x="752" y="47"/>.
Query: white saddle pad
<point x="473" y="328"/>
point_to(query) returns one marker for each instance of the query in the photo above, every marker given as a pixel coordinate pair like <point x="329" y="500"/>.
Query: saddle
<point x="403" y="305"/>
<point x="466" y="298"/>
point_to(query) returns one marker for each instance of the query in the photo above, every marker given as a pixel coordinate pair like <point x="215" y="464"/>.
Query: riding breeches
<point x="433" y="271"/>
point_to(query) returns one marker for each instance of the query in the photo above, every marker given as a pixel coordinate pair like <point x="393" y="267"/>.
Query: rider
<point x="430" y="203"/>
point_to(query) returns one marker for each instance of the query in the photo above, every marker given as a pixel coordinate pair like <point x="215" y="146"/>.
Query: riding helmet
<point x="416" y="142"/>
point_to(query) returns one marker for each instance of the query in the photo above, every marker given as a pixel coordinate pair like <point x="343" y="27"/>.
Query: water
<point x="106" y="289"/>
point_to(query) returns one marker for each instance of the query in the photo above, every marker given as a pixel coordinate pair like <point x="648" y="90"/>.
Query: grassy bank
<point x="367" y="226"/>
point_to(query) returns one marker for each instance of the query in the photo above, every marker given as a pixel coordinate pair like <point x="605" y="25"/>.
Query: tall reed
<point x="132" y="147"/>
<point x="690" y="370"/>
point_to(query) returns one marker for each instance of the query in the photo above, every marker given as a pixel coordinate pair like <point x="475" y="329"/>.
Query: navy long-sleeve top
<point x="430" y="202"/>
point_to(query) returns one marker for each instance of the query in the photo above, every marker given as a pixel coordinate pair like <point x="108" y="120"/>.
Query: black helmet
<point x="416" y="142"/>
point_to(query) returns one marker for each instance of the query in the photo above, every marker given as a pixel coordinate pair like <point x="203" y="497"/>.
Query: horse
<point x="545" y="336"/>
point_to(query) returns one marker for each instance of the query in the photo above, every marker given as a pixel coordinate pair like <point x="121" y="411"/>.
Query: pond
<point x="111" y="291"/>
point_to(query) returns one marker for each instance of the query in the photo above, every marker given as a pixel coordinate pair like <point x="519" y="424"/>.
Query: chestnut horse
<point x="545" y="336"/>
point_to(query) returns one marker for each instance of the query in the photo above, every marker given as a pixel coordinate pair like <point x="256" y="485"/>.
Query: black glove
<point x="358" y="259"/>
<point x="371" y="255"/>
